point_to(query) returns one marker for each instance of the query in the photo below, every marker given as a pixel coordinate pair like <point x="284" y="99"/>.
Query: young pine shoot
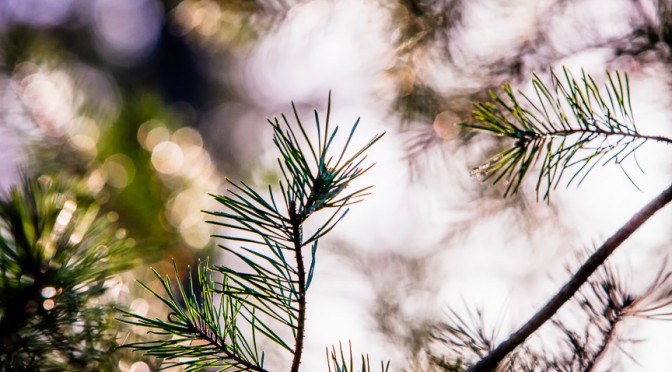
<point x="227" y="317"/>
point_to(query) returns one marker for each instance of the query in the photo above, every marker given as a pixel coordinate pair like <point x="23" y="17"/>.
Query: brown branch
<point x="599" y="131"/>
<point x="17" y="315"/>
<point x="214" y="340"/>
<point x="296" y="220"/>
<point x="602" y="350"/>
<point x="492" y="359"/>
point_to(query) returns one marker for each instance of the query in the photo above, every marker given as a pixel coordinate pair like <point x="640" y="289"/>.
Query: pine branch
<point x="341" y="363"/>
<point x="602" y="349"/>
<point x="295" y="222"/>
<point x="491" y="360"/>
<point x="56" y="252"/>
<point x="196" y="326"/>
<point x="269" y="294"/>
<point x="607" y="302"/>
<point x="467" y="336"/>
<point x="573" y="125"/>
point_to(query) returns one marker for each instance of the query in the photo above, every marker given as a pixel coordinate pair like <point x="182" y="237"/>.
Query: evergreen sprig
<point x="342" y="363"/>
<point x="56" y="252"/>
<point x="206" y="330"/>
<point x="571" y="125"/>
<point x="262" y="296"/>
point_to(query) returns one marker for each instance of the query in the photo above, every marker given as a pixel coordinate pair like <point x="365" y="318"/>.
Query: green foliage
<point x="140" y="203"/>
<point x="207" y="331"/>
<point x="571" y="125"/>
<point x="261" y="296"/>
<point x="340" y="363"/>
<point x="56" y="253"/>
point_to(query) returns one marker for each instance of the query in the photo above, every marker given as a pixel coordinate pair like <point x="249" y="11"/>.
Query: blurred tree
<point x="58" y="255"/>
<point x="77" y="113"/>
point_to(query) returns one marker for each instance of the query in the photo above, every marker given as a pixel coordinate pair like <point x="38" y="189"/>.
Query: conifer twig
<point x="295" y="222"/>
<point x="570" y="125"/>
<point x="57" y="251"/>
<point x="267" y="291"/>
<point x="491" y="360"/>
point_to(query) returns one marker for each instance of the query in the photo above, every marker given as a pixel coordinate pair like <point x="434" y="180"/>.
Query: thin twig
<point x="219" y="344"/>
<point x="295" y="221"/>
<point x="492" y="359"/>
<point x="604" y="346"/>
<point x="570" y="131"/>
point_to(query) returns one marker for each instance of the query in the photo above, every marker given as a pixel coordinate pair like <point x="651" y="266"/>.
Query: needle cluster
<point x="259" y="298"/>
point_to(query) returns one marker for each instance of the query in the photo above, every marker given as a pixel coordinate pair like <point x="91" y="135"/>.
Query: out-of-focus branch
<point x="492" y="359"/>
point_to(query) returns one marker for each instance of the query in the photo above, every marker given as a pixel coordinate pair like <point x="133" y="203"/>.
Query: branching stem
<point x="215" y="341"/>
<point x="492" y="359"/>
<point x="602" y="350"/>
<point x="17" y="316"/>
<point x="295" y="221"/>
<point x="601" y="132"/>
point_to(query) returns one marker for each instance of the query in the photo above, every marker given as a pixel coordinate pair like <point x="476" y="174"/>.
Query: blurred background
<point x="153" y="103"/>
